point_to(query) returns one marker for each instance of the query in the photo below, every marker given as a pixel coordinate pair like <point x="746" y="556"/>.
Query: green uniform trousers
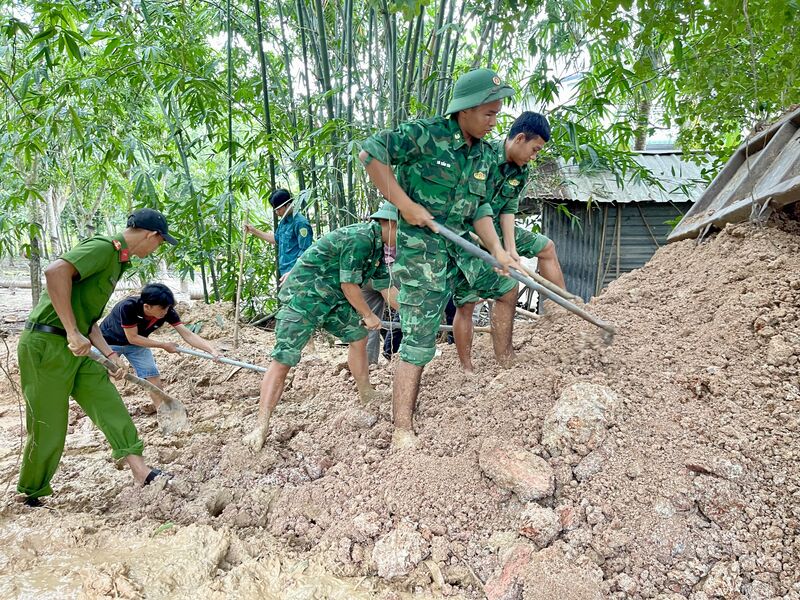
<point x="490" y="285"/>
<point x="296" y="324"/>
<point x="50" y="374"/>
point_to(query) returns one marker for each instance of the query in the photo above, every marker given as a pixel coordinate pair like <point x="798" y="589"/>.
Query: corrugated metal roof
<point x="675" y="178"/>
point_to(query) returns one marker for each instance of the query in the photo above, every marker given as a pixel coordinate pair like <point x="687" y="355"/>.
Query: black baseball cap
<point x="279" y="197"/>
<point x="152" y="220"/>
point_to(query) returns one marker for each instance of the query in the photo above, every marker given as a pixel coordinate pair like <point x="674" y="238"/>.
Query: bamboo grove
<point x="200" y="107"/>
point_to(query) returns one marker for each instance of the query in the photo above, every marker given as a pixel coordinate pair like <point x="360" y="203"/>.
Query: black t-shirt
<point x="130" y="313"/>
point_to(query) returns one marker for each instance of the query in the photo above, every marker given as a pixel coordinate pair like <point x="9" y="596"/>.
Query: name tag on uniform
<point x="441" y="163"/>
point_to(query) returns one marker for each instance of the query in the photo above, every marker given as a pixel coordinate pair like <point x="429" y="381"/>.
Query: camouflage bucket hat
<point x="477" y="87"/>
<point x="387" y="211"/>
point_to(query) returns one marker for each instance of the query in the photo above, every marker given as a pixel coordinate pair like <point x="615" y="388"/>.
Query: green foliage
<point x="109" y="107"/>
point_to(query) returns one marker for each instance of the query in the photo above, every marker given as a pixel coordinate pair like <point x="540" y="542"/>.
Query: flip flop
<point x="151" y="476"/>
<point x="33" y="502"/>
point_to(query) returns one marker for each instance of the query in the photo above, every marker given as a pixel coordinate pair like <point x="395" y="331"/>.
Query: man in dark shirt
<point x="128" y="326"/>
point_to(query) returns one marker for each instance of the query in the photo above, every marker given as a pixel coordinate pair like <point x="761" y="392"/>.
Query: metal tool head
<point x="608" y="335"/>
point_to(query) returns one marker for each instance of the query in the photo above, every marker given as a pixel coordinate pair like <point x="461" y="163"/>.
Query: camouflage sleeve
<point x="484" y="210"/>
<point x="395" y="147"/>
<point x="354" y="254"/>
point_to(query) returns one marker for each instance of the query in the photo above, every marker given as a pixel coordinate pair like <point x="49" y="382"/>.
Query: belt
<point x="45" y="328"/>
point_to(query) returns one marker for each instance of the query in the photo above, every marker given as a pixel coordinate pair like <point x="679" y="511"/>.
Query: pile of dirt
<point x="663" y="465"/>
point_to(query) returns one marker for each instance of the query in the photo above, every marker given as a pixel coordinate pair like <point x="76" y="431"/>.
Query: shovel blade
<point x="172" y="417"/>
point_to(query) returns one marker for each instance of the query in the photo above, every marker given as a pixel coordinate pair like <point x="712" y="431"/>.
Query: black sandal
<point x="151" y="476"/>
<point x="33" y="502"/>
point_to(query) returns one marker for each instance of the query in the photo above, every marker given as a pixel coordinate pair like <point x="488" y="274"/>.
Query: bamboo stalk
<point x="239" y="283"/>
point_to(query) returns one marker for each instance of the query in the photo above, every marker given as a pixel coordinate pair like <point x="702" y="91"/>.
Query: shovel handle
<point x="222" y="359"/>
<point x="488" y="258"/>
<point x="396" y="325"/>
<point x="142" y="383"/>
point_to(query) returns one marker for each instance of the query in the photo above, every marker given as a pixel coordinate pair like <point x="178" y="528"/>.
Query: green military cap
<point x="387" y="211"/>
<point x="477" y="87"/>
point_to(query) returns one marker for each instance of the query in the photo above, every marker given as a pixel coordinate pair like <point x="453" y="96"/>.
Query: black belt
<point x="45" y="328"/>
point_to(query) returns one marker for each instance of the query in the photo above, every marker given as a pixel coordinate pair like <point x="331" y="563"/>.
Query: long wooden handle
<point x="539" y="279"/>
<point x="222" y="359"/>
<point x="488" y="258"/>
<point x="396" y="325"/>
<point x="143" y="383"/>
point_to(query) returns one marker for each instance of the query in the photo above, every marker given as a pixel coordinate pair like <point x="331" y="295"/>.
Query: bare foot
<point x="256" y="438"/>
<point x="369" y="394"/>
<point x="507" y="362"/>
<point x="403" y="439"/>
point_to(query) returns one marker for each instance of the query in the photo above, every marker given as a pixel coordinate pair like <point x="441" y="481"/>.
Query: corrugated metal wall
<point x="577" y="244"/>
<point x="642" y="229"/>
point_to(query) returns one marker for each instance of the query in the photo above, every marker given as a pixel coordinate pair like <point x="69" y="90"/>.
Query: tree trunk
<point x="642" y="124"/>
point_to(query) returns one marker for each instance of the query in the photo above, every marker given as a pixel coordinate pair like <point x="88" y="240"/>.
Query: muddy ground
<point x="691" y="489"/>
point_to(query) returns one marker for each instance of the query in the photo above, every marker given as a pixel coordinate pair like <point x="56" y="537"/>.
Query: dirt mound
<point x="685" y="485"/>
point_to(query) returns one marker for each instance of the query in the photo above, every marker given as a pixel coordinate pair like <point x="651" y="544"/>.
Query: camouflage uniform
<point x="312" y="296"/>
<point x="505" y="184"/>
<point x="440" y="171"/>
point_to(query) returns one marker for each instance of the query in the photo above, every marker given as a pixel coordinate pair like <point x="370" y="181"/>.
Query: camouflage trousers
<point x="297" y="323"/>
<point x="421" y="308"/>
<point x="490" y="285"/>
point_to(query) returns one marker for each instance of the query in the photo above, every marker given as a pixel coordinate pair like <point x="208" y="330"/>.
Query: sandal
<point x="151" y="476"/>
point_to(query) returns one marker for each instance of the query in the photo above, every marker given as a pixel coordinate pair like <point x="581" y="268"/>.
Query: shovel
<point x="396" y="325"/>
<point x="171" y="412"/>
<point x="608" y="329"/>
<point x="227" y="361"/>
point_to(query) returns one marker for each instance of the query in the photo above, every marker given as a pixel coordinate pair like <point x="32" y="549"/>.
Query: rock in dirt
<point x="397" y="553"/>
<point x="511" y="467"/>
<point x="544" y="575"/>
<point x="779" y="351"/>
<point x="723" y="581"/>
<point x="714" y="465"/>
<point x="718" y="500"/>
<point x="540" y="525"/>
<point x="592" y="463"/>
<point x="580" y="418"/>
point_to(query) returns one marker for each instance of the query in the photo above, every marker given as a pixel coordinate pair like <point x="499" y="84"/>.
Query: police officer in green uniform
<point x="323" y="290"/>
<point x="527" y="136"/>
<point x="442" y="165"/>
<point x="53" y="354"/>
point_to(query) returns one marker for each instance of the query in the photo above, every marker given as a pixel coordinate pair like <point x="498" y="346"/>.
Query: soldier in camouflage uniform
<point x="323" y="290"/>
<point x="527" y="136"/>
<point x="442" y="165"/>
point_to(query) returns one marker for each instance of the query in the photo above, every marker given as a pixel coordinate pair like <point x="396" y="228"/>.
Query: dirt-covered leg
<point x="463" y="334"/>
<point x="503" y="327"/>
<point x="271" y="390"/>
<point x="405" y="389"/>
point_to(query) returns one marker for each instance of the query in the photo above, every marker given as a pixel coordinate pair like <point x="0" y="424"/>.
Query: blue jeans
<point x="140" y="357"/>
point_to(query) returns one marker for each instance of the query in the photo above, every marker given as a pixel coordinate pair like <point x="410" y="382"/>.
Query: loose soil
<point x="698" y="476"/>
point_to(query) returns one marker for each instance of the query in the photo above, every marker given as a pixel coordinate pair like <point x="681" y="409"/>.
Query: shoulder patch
<point x="302" y="232"/>
<point x="513" y="182"/>
<point x="479" y="175"/>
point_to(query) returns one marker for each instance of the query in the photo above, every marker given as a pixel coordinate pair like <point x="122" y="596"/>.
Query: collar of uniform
<point x="288" y="217"/>
<point x="378" y="233"/>
<point x="121" y="246"/>
<point x="455" y="130"/>
<point x="509" y="167"/>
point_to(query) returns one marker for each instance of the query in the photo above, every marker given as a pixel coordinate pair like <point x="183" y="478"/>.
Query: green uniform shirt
<point x="100" y="262"/>
<point x="440" y="171"/>
<point x="505" y="184"/>
<point x="352" y="254"/>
